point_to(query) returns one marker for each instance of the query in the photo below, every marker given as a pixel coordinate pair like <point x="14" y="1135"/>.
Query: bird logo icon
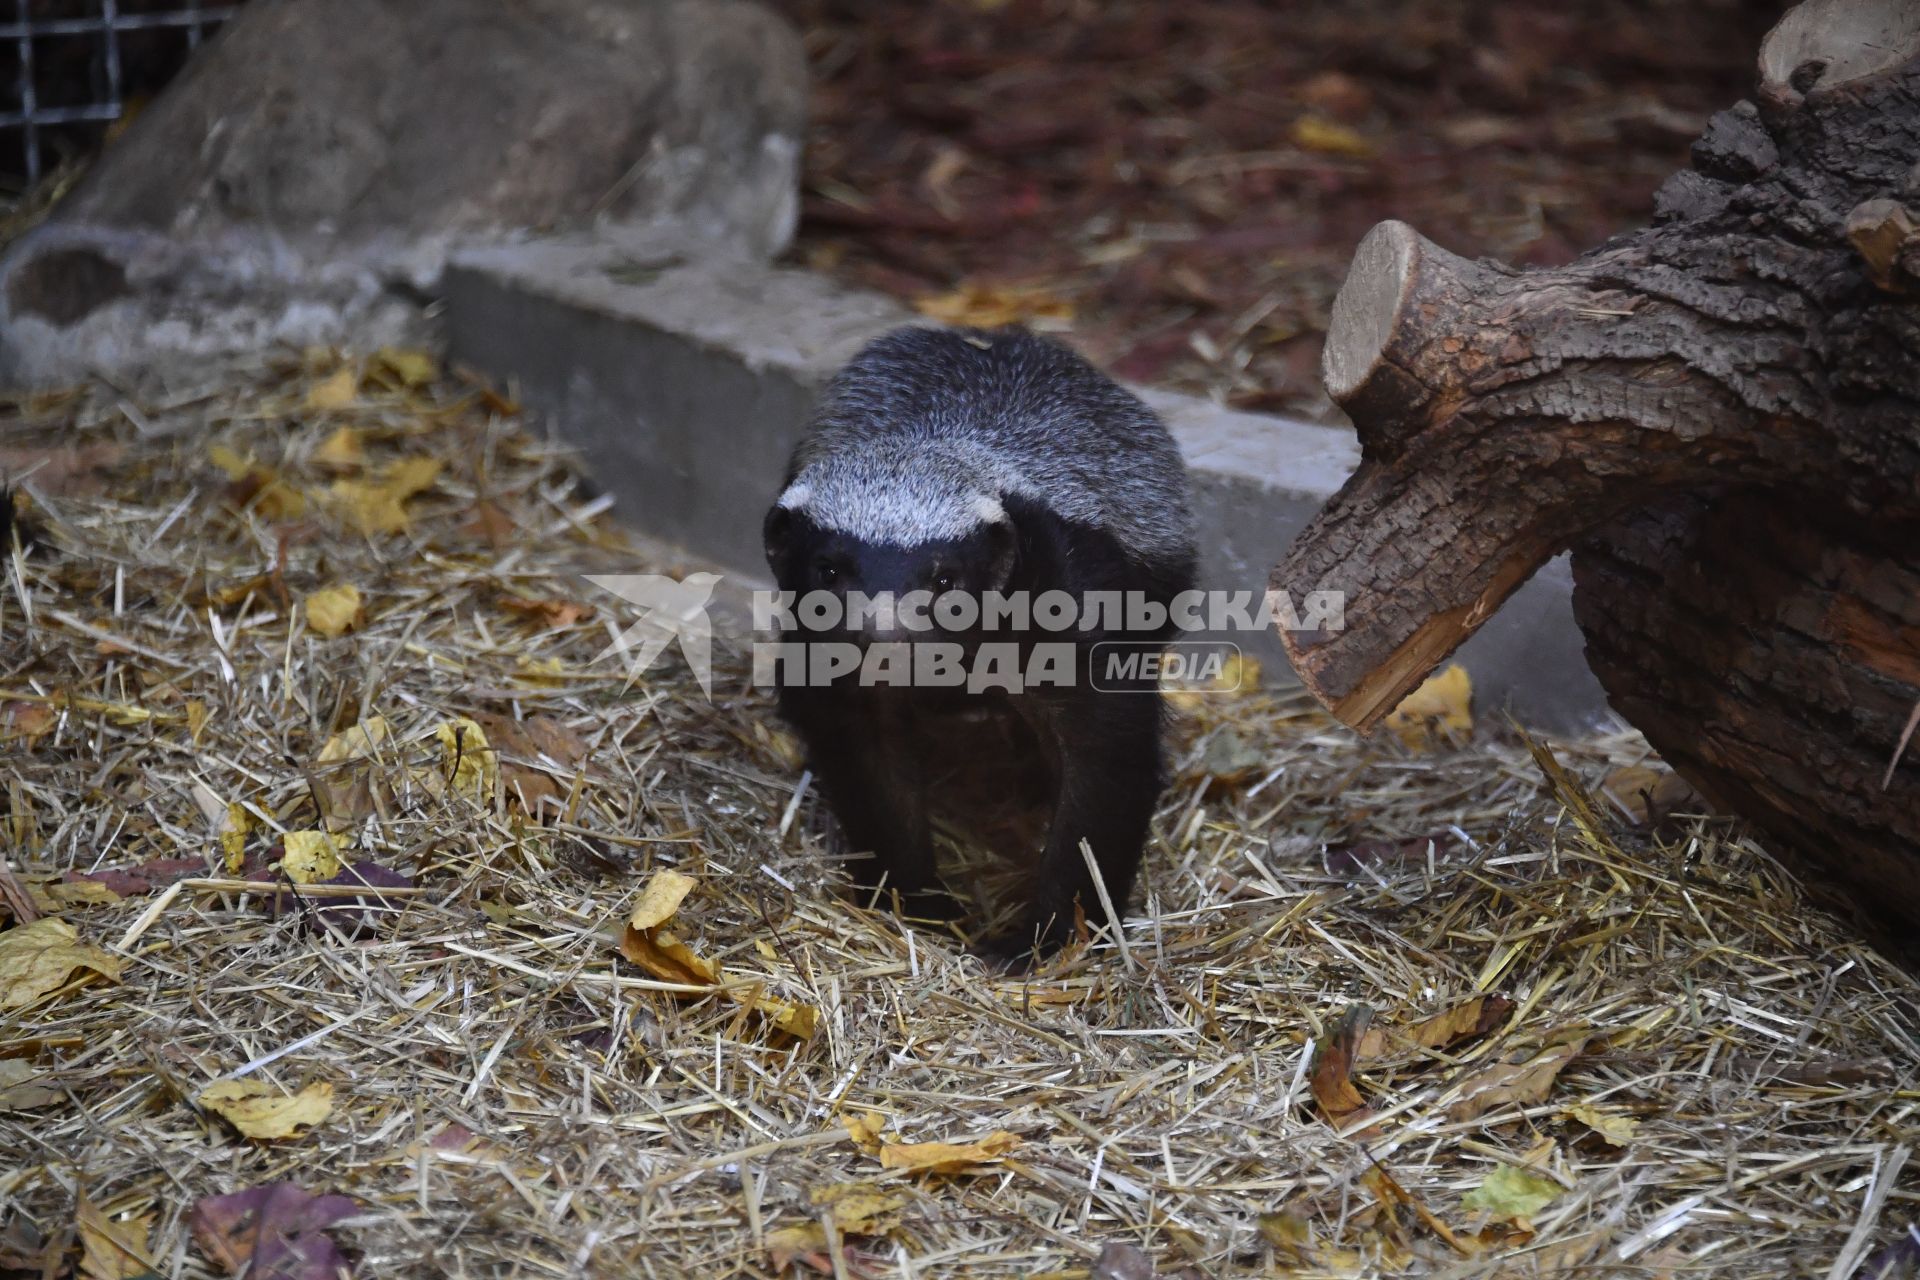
<point x="667" y="609"/>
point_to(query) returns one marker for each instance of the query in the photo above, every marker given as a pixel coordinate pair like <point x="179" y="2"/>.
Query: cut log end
<point x="1821" y="44"/>
<point x="1367" y="311"/>
<point x="1361" y="693"/>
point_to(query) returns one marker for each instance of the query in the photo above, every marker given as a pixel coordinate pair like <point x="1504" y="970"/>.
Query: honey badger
<point x="977" y="461"/>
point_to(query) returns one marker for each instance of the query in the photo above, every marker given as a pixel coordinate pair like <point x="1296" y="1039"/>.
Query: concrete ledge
<point x="685" y="384"/>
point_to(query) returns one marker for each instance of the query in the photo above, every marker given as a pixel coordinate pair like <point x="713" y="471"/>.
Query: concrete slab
<point x="686" y="382"/>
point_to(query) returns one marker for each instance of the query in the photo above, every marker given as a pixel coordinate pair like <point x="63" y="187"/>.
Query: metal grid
<point x="107" y="23"/>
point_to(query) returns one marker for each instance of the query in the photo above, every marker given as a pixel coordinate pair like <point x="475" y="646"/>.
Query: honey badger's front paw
<point x="929" y="906"/>
<point x="919" y="906"/>
<point x="1026" y="945"/>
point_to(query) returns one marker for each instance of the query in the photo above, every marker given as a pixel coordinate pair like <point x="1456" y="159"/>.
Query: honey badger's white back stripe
<point x="919" y="438"/>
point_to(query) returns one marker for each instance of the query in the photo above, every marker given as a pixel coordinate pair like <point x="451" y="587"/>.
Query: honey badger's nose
<point x="879" y="620"/>
<point x="873" y="635"/>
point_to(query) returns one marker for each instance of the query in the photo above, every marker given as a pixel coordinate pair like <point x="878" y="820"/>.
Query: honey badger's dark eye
<point x="827" y="571"/>
<point x="942" y="583"/>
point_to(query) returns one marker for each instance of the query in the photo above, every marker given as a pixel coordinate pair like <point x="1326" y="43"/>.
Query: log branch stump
<point x="1719" y="414"/>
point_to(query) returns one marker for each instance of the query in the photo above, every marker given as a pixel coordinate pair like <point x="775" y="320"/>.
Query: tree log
<point x="1776" y="665"/>
<point x="1744" y="342"/>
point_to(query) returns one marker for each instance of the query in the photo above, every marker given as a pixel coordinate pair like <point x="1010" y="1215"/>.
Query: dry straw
<point x="1697" y="1072"/>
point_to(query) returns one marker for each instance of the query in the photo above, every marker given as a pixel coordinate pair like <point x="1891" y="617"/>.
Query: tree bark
<point x="1775" y="663"/>
<point x="1740" y="342"/>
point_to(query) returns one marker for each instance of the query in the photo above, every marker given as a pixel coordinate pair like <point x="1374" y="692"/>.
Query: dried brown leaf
<point x="258" y="1110"/>
<point x="337" y="391"/>
<point x="113" y="1249"/>
<point x="343" y="450"/>
<point x="660" y="898"/>
<point x="24" y="1087"/>
<point x="39" y="959"/>
<point x="1463" y="1021"/>
<point x="1525" y="1076"/>
<point x="1333" y="1063"/>
<point x="1439" y="711"/>
<point x="947" y="1157"/>
<point x="334" y="611"/>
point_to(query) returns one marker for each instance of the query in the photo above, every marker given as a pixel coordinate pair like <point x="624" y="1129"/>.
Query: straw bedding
<point x="1380" y="1012"/>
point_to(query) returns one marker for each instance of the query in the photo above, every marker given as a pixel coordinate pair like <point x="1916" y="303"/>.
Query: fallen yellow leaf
<point x="113" y="1250"/>
<point x="258" y="487"/>
<point x="361" y="742"/>
<point x="541" y="672"/>
<point x="865" y="1131"/>
<point x="379" y="506"/>
<point x="258" y="1111"/>
<point x="859" y="1208"/>
<point x="667" y="958"/>
<point x="1317" y="133"/>
<point x="468" y="763"/>
<point x="229" y="460"/>
<point x="338" y="391"/>
<point x="806" y="1241"/>
<point x="1439" y="709"/>
<point x="408" y="476"/>
<point x="989" y="306"/>
<point x="947" y="1157"/>
<point x="335" y="610"/>
<point x="233" y="837"/>
<point x="1643" y="795"/>
<point x="38" y="959"/>
<point x="310" y="857"/>
<point x="1512" y="1195"/>
<point x="1614" y="1128"/>
<point x="343" y="450"/>
<point x="797" y="1020"/>
<point x="660" y="899"/>
<point x="412" y="368"/>
<point x="52" y="898"/>
<point x="1238" y="674"/>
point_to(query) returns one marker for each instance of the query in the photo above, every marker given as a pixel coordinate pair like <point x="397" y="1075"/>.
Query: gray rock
<point x="304" y="180"/>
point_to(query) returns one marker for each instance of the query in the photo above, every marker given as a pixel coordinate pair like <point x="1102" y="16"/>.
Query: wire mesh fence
<point x="70" y="68"/>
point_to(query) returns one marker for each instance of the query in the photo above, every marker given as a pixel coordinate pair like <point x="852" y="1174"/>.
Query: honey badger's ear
<point x="777" y="536"/>
<point x="1003" y="549"/>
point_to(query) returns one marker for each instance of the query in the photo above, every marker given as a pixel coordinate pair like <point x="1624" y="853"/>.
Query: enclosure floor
<point x="1180" y="186"/>
<point x="1653" y="1056"/>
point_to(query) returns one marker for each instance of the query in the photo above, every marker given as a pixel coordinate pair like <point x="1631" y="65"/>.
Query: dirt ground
<point x="1180" y="186"/>
<point x="1460" y="1011"/>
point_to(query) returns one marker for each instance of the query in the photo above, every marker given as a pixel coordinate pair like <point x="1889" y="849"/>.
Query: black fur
<point x="869" y="746"/>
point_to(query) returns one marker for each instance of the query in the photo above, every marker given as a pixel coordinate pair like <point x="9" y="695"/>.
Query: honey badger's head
<point x="893" y="521"/>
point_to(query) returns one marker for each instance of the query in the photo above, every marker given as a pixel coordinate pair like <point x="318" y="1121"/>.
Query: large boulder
<point x="306" y="176"/>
